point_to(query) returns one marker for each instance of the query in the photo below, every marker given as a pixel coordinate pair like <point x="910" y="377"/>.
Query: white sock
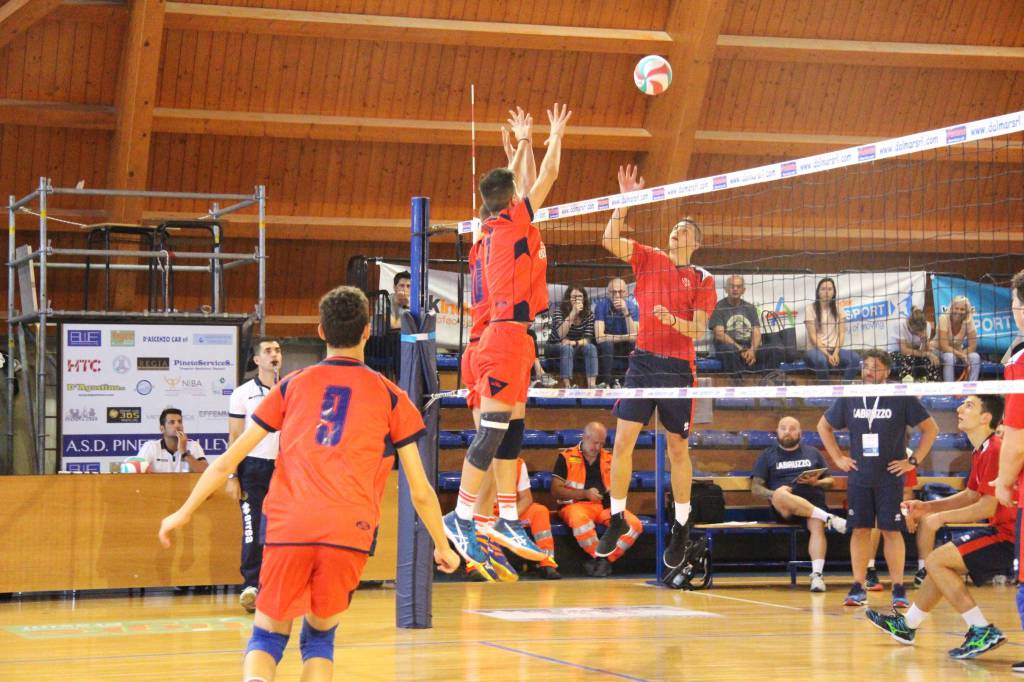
<point x="820" y="514"/>
<point x="920" y="564"/>
<point x="618" y="505"/>
<point x="817" y="565"/>
<point x="974" y="617"/>
<point x="915" y="617"/>
<point x="871" y="563"/>
<point x="465" y="504"/>
<point x="682" y="512"/>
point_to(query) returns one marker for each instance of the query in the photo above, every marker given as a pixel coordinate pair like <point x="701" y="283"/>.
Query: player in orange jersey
<point x="340" y="423"/>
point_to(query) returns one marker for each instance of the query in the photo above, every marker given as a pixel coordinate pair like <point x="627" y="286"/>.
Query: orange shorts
<point x="503" y="360"/>
<point x="469" y="374"/>
<point x="298" y="579"/>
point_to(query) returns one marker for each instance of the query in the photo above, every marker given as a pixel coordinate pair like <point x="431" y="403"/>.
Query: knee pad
<point x="315" y="643"/>
<point x="512" y="443"/>
<point x="268" y="642"/>
<point x="493" y="426"/>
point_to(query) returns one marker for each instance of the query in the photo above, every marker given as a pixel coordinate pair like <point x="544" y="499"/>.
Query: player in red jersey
<point x="981" y="553"/>
<point x="675" y="299"/>
<point x="339" y="424"/>
<point x="1011" y="458"/>
<point x="515" y="265"/>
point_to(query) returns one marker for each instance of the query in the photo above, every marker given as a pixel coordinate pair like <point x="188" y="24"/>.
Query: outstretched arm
<point x="612" y="240"/>
<point x="548" y="172"/>
<point x="520" y="149"/>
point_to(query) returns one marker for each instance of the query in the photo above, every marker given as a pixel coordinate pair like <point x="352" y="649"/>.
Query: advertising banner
<point x="116" y="378"/>
<point x="993" y="318"/>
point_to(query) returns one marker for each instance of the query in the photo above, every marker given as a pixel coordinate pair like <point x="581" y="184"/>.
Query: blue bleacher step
<point x="447" y="361"/>
<point x="453" y="401"/>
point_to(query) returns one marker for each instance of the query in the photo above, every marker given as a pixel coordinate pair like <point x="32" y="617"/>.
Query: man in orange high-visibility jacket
<point x="580" y="481"/>
<point x="537" y="518"/>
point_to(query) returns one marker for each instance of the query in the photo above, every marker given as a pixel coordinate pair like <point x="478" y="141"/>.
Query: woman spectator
<point x="958" y="341"/>
<point x="916" y="360"/>
<point x="826" y="331"/>
<point x="572" y="335"/>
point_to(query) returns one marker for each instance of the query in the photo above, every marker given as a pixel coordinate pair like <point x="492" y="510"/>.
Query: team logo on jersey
<point x="362" y="525"/>
<point x="496" y="385"/>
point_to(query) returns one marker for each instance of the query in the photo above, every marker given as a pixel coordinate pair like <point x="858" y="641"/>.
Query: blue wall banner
<point x="992" y="316"/>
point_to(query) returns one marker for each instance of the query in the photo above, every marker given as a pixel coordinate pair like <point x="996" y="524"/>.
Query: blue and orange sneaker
<point x="512" y="536"/>
<point x="462" y="534"/>
<point x="503" y="570"/>
<point x="899" y="597"/>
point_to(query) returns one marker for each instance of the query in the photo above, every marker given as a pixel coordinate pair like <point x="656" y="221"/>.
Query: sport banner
<point x="116" y="378"/>
<point x="993" y="318"/>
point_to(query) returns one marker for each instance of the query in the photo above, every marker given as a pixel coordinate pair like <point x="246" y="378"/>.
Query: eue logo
<point x="496" y="385"/>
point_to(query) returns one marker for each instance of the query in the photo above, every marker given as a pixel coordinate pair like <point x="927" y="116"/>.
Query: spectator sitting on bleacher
<point x="789" y="474"/>
<point x="537" y="518"/>
<point x="580" y="482"/>
<point x="400" y="297"/>
<point x="981" y="553"/>
<point x="737" y="329"/>
<point x="572" y="334"/>
<point x="826" y="332"/>
<point x="916" y="359"/>
<point x="615" y="328"/>
<point x="958" y="341"/>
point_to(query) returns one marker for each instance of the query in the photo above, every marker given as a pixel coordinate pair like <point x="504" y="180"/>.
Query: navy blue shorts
<point x="871" y="505"/>
<point x="985" y="554"/>
<point x="647" y="370"/>
<point x="815" y="496"/>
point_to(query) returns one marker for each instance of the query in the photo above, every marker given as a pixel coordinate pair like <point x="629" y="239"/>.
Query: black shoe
<point x="602" y="568"/>
<point x="589" y="566"/>
<point x="676" y="550"/>
<point x="550" y="573"/>
<point x="617" y="527"/>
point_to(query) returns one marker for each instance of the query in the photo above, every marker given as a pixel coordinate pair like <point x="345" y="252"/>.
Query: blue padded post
<point x="660" y="448"/>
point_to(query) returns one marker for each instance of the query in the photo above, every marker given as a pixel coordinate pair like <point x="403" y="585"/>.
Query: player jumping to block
<point x="675" y="300"/>
<point x="336" y="420"/>
<point x="515" y="269"/>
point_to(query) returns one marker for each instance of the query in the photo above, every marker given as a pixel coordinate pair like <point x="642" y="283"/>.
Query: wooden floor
<point x="764" y="631"/>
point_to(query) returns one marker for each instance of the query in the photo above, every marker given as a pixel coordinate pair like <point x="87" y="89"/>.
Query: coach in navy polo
<point x="876" y="466"/>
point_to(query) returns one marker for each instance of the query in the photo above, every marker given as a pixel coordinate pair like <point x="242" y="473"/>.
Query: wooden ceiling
<point x="346" y="109"/>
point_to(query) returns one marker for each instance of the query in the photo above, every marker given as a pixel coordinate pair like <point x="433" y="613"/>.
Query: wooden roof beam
<point x="342" y="26"/>
<point x="17" y="16"/>
<point x="672" y="116"/>
<point x="871" y="53"/>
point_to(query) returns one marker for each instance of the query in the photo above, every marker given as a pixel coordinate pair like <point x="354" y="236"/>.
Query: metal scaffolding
<point x="39" y="313"/>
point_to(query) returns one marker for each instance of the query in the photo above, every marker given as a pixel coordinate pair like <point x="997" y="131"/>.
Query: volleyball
<point x="653" y="75"/>
<point x="134" y="465"/>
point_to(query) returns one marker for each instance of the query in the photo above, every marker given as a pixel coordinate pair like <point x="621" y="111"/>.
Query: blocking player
<point x="1011" y="457"/>
<point x="675" y="299"/>
<point x="979" y="552"/>
<point x="515" y="264"/>
<point x="337" y="421"/>
<point x="249" y="484"/>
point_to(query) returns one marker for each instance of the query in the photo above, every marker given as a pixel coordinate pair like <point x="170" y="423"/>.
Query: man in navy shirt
<point x="615" y="326"/>
<point x="784" y="475"/>
<point x="877" y="463"/>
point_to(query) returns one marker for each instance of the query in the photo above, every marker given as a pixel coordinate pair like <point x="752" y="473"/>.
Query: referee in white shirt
<point x="250" y="483"/>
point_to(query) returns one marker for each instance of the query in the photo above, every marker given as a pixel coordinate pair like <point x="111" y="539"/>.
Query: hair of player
<point x="344" y="314"/>
<point x="917" y="322"/>
<point x="1017" y="285"/>
<point x="993" y="405"/>
<point x="257" y="343"/>
<point x="167" y="411"/>
<point x="831" y="302"/>
<point x="404" y="274"/>
<point x="497" y="189"/>
<point x="879" y="355"/>
<point x="566" y="304"/>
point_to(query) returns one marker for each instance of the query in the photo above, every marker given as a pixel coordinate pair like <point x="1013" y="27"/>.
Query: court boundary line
<point x="570" y="664"/>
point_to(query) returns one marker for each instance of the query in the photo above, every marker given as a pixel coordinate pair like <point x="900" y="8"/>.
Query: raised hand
<point x="628" y="180"/>
<point x="521" y="124"/>
<point x="506" y="143"/>
<point x="558" y="118"/>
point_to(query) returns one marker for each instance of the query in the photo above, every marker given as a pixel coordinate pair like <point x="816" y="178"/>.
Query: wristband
<point x="521" y="139"/>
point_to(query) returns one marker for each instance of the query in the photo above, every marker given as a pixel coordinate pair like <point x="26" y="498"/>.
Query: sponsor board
<point x="152" y="364"/>
<point x="124" y="415"/>
<point x="123" y="338"/>
<point x="84" y="338"/>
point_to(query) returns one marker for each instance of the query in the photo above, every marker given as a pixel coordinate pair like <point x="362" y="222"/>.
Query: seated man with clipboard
<point x="793" y="477"/>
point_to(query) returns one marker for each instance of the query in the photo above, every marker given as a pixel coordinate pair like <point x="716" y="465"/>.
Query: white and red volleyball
<point x="652" y="75"/>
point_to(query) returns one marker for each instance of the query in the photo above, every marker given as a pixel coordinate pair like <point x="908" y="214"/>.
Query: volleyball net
<point x="904" y="245"/>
